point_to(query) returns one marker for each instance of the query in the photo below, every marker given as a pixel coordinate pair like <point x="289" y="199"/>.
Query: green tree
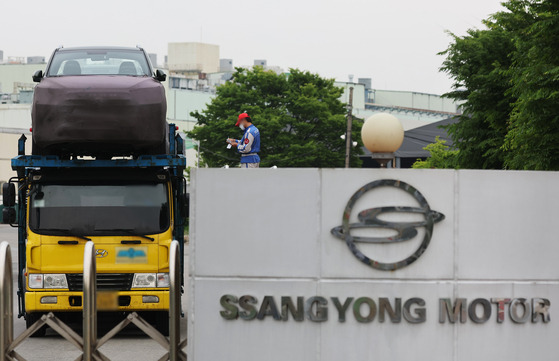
<point x="299" y="115"/>
<point x="507" y="75"/>
<point x="477" y="63"/>
<point x="533" y="138"/>
<point x="440" y="156"/>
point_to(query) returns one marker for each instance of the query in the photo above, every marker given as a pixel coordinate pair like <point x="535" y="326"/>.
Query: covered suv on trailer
<point x="99" y="101"/>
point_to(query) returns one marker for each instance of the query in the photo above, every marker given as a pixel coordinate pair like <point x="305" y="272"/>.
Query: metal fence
<point x="89" y="344"/>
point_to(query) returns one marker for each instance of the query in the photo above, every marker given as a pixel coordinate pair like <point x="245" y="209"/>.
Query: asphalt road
<point x="128" y="345"/>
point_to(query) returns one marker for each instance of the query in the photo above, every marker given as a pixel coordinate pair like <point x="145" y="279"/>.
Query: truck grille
<point x="105" y="281"/>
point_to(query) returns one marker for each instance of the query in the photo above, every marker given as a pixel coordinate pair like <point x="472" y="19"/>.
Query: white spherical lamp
<point x="382" y="133"/>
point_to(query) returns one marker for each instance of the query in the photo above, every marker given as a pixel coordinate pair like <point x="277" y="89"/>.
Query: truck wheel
<point x="30" y="319"/>
<point x="162" y="322"/>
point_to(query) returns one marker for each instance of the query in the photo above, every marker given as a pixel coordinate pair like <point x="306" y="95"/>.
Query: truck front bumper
<point x="66" y="301"/>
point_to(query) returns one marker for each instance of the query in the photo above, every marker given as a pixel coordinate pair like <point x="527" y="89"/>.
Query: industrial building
<point x="225" y="65"/>
<point x="153" y="59"/>
<point x="193" y="58"/>
<point x="36" y="60"/>
<point x="15" y="120"/>
<point x="15" y="78"/>
<point x="194" y="72"/>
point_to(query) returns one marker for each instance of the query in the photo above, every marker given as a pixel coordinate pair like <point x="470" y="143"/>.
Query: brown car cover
<point x="99" y="115"/>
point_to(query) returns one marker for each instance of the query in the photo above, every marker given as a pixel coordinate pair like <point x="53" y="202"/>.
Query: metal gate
<point x="89" y="344"/>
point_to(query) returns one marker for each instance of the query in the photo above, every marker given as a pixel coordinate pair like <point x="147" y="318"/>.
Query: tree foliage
<point x="440" y="156"/>
<point x="299" y="115"/>
<point x="533" y="138"/>
<point x="477" y="63"/>
<point x="507" y="75"/>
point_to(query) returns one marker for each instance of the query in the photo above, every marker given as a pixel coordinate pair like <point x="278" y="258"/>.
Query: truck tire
<point x="30" y="319"/>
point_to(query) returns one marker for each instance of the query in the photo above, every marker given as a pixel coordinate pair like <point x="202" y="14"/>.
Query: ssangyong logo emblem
<point x="369" y="218"/>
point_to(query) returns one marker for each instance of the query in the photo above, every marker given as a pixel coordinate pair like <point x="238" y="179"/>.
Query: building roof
<point x="418" y="138"/>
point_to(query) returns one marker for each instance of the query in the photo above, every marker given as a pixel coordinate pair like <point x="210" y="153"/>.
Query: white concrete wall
<point x="8" y="150"/>
<point x="266" y="232"/>
<point x="180" y="103"/>
<point x="17" y="73"/>
<point x="15" y="119"/>
<point x="15" y="116"/>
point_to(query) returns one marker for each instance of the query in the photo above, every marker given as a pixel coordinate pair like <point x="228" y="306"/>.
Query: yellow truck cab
<point x="130" y="208"/>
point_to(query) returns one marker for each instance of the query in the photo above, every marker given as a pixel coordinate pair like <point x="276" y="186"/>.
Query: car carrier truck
<point x="130" y="208"/>
<point x="125" y="194"/>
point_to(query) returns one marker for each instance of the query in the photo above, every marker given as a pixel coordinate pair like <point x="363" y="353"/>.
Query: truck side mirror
<point x="160" y="75"/>
<point x="8" y="215"/>
<point x="38" y="76"/>
<point x="9" y="194"/>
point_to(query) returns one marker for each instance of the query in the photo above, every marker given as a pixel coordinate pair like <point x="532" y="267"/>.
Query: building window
<point x="175" y="83"/>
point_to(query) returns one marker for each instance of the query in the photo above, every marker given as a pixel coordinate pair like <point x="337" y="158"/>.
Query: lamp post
<point x="382" y="135"/>
<point x="348" y="131"/>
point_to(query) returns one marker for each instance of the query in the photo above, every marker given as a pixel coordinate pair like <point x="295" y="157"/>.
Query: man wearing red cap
<point x="249" y="144"/>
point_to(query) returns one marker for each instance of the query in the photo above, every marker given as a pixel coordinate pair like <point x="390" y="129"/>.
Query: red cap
<point x="241" y="117"/>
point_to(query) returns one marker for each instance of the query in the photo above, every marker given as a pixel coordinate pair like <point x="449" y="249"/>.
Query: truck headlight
<point x="35" y="281"/>
<point x="49" y="280"/>
<point x="162" y="280"/>
<point x="144" y="280"/>
<point x="55" y="281"/>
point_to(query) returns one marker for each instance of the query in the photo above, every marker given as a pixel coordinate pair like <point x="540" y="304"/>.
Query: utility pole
<point x="348" y="142"/>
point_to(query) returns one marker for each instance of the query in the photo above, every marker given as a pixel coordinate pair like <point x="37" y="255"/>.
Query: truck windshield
<point x="99" y="209"/>
<point x="99" y="62"/>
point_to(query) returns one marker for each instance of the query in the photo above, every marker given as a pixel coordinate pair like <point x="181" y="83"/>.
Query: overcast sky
<point x="394" y="42"/>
